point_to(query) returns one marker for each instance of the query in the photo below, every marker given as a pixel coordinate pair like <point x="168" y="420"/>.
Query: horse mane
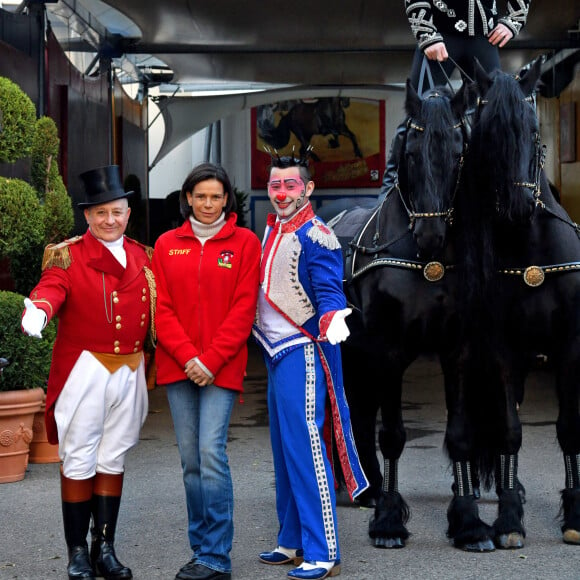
<point x="499" y="156"/>
<point x="500" y="144"/>
<point x="437" y="119"/>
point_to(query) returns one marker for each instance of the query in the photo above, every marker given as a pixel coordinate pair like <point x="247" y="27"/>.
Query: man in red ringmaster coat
<point x="100" y="287"/>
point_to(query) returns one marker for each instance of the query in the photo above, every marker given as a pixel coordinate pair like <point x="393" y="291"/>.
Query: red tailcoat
<point x="101" y="306"/>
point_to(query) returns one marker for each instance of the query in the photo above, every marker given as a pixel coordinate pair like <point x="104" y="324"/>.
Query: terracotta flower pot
<point x="41" y="451"/>
<point x="17" y="409"/>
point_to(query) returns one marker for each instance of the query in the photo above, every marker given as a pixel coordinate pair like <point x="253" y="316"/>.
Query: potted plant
<point x="21" y="385"/>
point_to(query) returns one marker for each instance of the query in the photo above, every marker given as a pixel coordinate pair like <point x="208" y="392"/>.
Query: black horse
<point x="520" y="277"/>
<point x="402" y="283"/>
<point x="325" y="116"/>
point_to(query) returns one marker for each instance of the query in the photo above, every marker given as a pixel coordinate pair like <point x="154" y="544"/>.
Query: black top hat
<point x="102" y="185"/>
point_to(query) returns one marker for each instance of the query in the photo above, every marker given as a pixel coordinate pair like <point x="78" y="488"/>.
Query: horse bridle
<point x="534" y="276"/>
<point x="448" y="214"/>
<point x="412" y="214"/>
<point x="433" y="271"/>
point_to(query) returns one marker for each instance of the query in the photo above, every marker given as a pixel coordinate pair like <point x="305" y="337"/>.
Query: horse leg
<point x="509" y="532"/>
<point x="387" y="527"/>
<point x="362" y="385"/>
<point x="465" y="527"/>
<point x="570" y="501"/>
<point x="348" y="133"/>
<point x="568" y="430"/>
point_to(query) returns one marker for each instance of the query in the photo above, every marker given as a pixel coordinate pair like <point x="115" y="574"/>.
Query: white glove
<point x="337" y="330"/>
<point x="33" y="320"/>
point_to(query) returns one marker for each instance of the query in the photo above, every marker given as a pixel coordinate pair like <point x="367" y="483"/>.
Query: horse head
<point x="431" y="162"/>
<point x="506" y="151"/>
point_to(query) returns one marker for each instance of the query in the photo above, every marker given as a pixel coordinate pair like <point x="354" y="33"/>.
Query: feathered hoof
<point x="571" y="537"/>
<point x="479" y="546"/>
<point x="389" y="543"/>
<point x="511" y="541"/>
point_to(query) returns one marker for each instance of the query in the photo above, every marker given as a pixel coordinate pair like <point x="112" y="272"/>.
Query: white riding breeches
<point x="99" y="416"/>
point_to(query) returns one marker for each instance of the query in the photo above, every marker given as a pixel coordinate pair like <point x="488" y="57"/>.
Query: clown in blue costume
<point x="300" y="321"/>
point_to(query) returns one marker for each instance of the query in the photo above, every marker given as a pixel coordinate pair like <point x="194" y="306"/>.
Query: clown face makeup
<point x="287" y="191"/>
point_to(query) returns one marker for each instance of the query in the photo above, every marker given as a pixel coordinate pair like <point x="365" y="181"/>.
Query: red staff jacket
<point x="206" y="301"/>
<point x="101" y="306"/>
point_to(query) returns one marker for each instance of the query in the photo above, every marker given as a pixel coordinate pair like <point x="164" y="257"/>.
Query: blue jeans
<point x="201" y="416"/>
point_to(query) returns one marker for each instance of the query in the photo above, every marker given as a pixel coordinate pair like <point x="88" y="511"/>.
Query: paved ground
<point x="152" y="538"/>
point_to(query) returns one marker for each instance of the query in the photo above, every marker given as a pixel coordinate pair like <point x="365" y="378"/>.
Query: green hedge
<point x="18" y="122"/>
<point x="29" y="357"/>
<point x="21" y="217"/>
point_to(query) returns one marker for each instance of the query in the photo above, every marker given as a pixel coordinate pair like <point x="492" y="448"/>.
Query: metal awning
<point x="302" y="47"/>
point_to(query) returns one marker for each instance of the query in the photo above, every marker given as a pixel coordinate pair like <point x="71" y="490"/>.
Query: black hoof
<point x="511" y="541"/>
<point x="389" y="543"/>
<point x="480" y="546"/>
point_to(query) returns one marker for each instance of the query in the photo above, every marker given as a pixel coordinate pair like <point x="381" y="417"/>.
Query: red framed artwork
<point x="347" y="136"/>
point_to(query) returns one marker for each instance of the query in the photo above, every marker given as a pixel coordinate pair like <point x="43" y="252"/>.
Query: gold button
<point x="117" y="350"/>
<point x="137" y="342"/>
<point x="143" y="298"/>
<point x="116" y="343"/>
<point x="143" y="316"/>
<point x="118" y="318"/>
<point x="135" y="350"/>
<point x="118" y="326"/>
<point x="115" y="300"/>
<point x="114" y="293"/>
<point x="144" y="290"/>
<point x="142" y="323"/>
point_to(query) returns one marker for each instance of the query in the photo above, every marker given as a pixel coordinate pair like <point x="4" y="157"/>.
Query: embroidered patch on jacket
<point x="461" y="25"/>
<point x="225" y="259"/>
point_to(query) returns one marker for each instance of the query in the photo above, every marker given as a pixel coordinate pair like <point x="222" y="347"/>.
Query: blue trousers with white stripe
<point x="305" y="496"/>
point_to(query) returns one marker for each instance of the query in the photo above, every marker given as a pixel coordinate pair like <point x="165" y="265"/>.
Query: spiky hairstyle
<point x="285" y="161"/>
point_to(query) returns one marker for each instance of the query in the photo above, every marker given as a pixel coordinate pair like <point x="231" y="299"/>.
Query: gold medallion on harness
<point x="434" y="271"/>
<point x="534" y="276"/>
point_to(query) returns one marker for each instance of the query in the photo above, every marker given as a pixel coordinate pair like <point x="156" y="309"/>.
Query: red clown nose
<point x="280" y="196"/>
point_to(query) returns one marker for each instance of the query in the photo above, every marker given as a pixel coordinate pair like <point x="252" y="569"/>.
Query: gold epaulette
<point x="59" y="254"/>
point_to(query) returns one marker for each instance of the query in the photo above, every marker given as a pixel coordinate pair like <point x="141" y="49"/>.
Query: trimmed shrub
<point x="29" y="357"/>
<point x="18" y="122"/>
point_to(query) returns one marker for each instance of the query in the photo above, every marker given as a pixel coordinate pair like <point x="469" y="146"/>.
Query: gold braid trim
<point x="149" y="252"/>
<point x="152" y="301"/>
<point x="58" y="254"/>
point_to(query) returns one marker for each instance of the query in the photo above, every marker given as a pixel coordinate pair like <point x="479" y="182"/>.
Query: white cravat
<point x="116" y="248"/>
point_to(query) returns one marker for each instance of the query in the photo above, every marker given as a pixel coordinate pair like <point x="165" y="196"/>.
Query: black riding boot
<point x="106" y="502"/>
<point x="391" y="174"/>
<point x="76" y="518"/>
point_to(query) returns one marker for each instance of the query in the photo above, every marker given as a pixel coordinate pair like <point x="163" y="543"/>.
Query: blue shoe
<point x="282" y="556"/>
<point x="316" y="570"/>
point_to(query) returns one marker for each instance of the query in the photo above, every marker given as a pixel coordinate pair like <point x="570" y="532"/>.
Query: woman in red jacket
<point x="207" y="274"/>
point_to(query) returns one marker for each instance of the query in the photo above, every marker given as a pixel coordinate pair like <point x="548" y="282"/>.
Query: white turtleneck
<point x="204" y="232"/>
<point x="116" y="248"/>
